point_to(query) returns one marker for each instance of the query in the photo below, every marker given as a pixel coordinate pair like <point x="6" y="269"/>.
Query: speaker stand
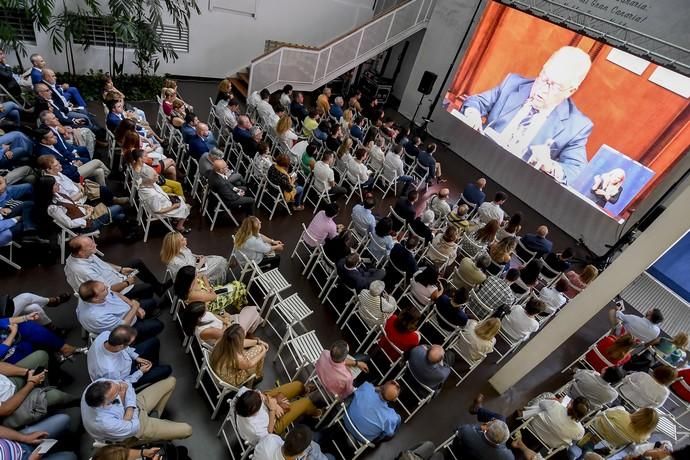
<point x="413" y="128"/>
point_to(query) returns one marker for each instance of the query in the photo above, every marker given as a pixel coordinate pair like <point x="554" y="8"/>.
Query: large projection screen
<point x="598" y="145"/>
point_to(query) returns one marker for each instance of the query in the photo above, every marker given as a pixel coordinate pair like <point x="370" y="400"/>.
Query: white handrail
<point x="307" y="69"/>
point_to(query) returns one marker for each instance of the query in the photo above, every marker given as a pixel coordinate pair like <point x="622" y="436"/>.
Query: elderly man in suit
<point x="227" y="185"/>
<point x="535" y="119"/>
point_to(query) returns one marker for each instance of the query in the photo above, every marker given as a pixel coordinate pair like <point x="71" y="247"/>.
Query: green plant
<point x="135" y="87"/>
<point x="134" y="24"/>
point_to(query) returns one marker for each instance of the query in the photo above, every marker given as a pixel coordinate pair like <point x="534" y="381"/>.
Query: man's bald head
<point x="542" y="230"/>
<point x="219" y="165"/>
<point x="443" y="193"/>
<point x="390" y="390"/>
<point x="481" y="182"/>
<point x="435" y="354"/>
<point x="77" y="243"/>
<point x="48" y="75"/>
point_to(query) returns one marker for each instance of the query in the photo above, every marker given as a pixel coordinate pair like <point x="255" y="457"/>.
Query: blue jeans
<point x="298" y="194"/>
<point x="73" y="95"/>
<point x="55" y="426"/>
<point x="10" y="110"/>
<point x="20" y="145"/>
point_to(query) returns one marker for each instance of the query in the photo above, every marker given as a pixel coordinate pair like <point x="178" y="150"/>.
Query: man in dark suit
<point x="404" y="208"/>
<point x="401" y="256"/>
<point x="73" y="166"/>
<point x="474" y="192"/>
<point x="427" y="160"/>
<point x="356" y="130"/>
<point x="535" y="118"/>
<point x="116" y="113"/>
<point x="241" y="131"/>
<point x="227" y="186"/>
<point x="45" y="101"/>
<point x="297" y="108"/>
<point x="200" y="142"/>
<point x="412" y="147"/>
<point x="356" y="276"/>
<point x="537" y="242"/>
<point x="70" y="93"/>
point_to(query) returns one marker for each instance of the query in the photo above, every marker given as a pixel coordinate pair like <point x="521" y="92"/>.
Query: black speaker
<point x="427" y="82"/>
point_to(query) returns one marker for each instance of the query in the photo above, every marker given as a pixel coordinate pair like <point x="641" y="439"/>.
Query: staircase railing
<point x="307" y="69"/>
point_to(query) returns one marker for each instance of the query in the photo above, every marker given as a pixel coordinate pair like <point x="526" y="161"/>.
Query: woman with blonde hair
<point x="619" y="427"/>
<point x="344" y="155"/>
<point x="502" y="251"/>
<point x="285" y="131"/>
<point x="235" y="358"/>
<point x="251" y="244"/>
<point x="581" y="280"/>
<point x="480" y="336"/>
<point x="346" y="121"/>
<point x="674" y="349"/>
<point x="175" y="254"/>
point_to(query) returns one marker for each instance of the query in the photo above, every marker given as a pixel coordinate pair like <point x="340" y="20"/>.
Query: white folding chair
<point x="582" y="359"/>
<point x="304" y="351"/>
<point x="221" y="389"/>
<point x="365" y="333"/>
<point x="240" y="449"/>
<point x="446" y="447"/>
<point x="522" y="254"/>
<point x="477" y="306"/>
<point x="271" y="197"/>
<point x="546" y="451"/>
<point x="440" y="325"/>
<point x="9" y="258"/>
<point x="146" y="216"/>
<point x="461" y="346"/>
<point x="414" y="389"/>
<point x="468" y="247"/>
<point x="270" y="284"/>
<point x="219" y="206"/>
<point x="391" y="362"/>
<point x="290" y="311"/>
<point x="605" y="436"/>
<point x="356" y="440"/>
<point x="311" y="252"/>
<point x="323" y="272"/>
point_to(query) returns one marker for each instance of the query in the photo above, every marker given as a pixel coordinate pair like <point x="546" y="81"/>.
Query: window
<point x="100" y="33"/>
<point x="20" y="22"/>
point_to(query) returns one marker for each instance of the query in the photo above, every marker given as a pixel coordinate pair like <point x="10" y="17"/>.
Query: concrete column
<point x="670" y="226"/>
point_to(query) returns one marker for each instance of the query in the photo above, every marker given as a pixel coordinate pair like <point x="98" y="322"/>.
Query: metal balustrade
<point x="307" y="69"/>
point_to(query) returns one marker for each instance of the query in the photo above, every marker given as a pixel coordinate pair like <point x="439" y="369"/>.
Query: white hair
<point x="428" y="216"/>
<point x="568" y="65"/>
<point x="376" y="288"/>
<point x="497" y="432"/>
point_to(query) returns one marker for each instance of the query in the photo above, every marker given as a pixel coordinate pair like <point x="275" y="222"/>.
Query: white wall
<point x="400" y="83"/>
<point x="221" y="42"/>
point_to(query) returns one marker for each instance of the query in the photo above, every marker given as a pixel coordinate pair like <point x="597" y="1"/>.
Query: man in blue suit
<point x="535" y="119"/>
<point x="70" y="93"/>
<point x="200" y="142"/>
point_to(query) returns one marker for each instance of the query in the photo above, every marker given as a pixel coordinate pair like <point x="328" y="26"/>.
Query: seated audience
<point x="674" y="349"/>
<point x="322" y="226"/>
<point x="480" y="338"/>
<point x="376" y="155"/>
<point x="511" y="228"/>
<point x="324" y="176"/>
<point x="555" y="424"/>
<point x="201" y="142"/>
<point x="310" y="123"/>
<point x="484" y="441"/>
<point x="138" y="165"/>
<point x="618" y="427"/>
<point x="228" y="112"/>
<point x="260" y="413"/>
<point x="529" y="274"/>
<point x="642" y="389"/>
<point x="452" y="308"/>
<point x="405" y="208"/>
<point x="285" y="132"/>
<point x="297" y="108"/>
<point x="175" y="254"/>
<point x="22" y="335"/>
<point x="376" y="305"/>
<point x="380" y="241"/>
<point x="237" y="359"/>
<point x="597" y="388"/>
<point x="357" y="171"/>
<point x="101" y="310"/>
<point x="491" y="210"/>
<point x="334" y="138"/>
<point x="520" y="322"/>
<point x="355" y="275"/>
<point x="401" y="332"/>
<point x="73" y="166"/>
<point x="537" y="242"/>
<point x="230" y="188"/>
<point x="427" y="160"/>
<point x="111" y="356"/>
<point x="394" y="167"/>
<point x="298" y="444"/>
<point x="251" y="245"/>
<point x="427" y="366"/>
<point x="363" y="220"/>
<point x="425" y="286"/>
<point x="421" y="226"/>
<point x="192" y="286"/>
<point x="501" y="251"/>
<point x="581" y="280"/>
<point x="336" y="109"/>
<point x="308" y="159"/>
<point x="370" y="414"/>
<point x="280" y="175"/>
<point x="643" y="328"/>
<point x="335" y="370"/>
<point x="27" y="303"/>
<point x="403" y="259"/>
<point x="262" y="161"/>
<point x="18" y="445"/>
<point x="553" y="297"/>
<point x="130" y="417"/>
<point x="439" y="203"/>
<point x="459" y="218"/>
<point x="560" y="261"/>
<point x="495" y="291"/>
<point x="475" y="242"/>
<point x="615" y="351"/>
<point x="158" y="202"/>
<point x="445" y="247"/>
<point x="470" y="273"/>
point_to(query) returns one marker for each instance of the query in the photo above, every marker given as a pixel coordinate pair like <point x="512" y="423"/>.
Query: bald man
<point x="473" y="193"/>
<point x="427" y="366"/>
<point x="537" y="242"/>
<point x="229" y="188"/>
<point x="439" y="203"/>
<point x="201" y="142"/>
<point x="370" y="412"/>
<point x="535" y="119"/>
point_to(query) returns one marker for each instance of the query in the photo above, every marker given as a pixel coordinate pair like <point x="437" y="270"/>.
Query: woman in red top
<point x="401" y="331"/>
<point x="616" y="350"/>
<point x="682" y="390"/>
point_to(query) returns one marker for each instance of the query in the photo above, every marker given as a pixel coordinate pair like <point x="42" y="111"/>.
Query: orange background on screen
<point x="644" y="121"/>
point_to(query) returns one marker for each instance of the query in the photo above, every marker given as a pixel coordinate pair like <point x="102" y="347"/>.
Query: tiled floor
<point x="434" y="422"/>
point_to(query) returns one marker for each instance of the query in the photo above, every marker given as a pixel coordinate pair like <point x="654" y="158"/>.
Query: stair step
<point x="239" y="87"/>
<point x="244" y="76"/>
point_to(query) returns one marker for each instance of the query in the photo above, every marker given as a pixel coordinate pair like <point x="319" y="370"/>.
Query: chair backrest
<point x="549" y="272"/>
<point x="523" y="253"/>
<point x="359" y="437"/>
<point x="476" y="300"/>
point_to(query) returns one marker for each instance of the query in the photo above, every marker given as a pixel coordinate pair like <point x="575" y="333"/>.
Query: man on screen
<point x="535" y="118"/>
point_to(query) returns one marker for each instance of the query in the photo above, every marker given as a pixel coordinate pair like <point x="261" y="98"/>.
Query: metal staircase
<point x="308" y="68"/>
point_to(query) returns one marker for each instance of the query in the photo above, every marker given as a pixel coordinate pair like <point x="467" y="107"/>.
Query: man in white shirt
<point x="83" y="264"/>
<point x="519" y="324"/>
<point x="439" y="203"/>
<point x="227" y="112"/>
<point x="553" y="297"/>
<point x="643" y="328"/>
<point x="556" y="424"/>
<point x="596" y="388"/>
<point x="645" y="390"/>
<point x="491" y="210"/>
<point x="394" y="167"/>
<point x="111" y="356"/>
<point x="298" y="444"/>
<point x="264" y="109"/>
<point x="324" y="177"/>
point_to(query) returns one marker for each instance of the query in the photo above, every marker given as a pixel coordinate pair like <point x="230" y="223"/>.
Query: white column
<point x="662" y="234"/>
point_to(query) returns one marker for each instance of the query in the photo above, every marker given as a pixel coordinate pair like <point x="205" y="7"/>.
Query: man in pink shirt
<point x="323" y="226"/>
<point x="333" y="369"/>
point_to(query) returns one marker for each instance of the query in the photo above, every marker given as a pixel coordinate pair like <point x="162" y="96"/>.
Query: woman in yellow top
<point x="623" y="427"/>
<point x="235" y="358"/>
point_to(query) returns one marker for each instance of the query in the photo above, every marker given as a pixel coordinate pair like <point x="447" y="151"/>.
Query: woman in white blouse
<point x="250" y="244"/>
<point x="175" y="254"/>
<point x="479" y="338"/>
<point x="160" y="202"/>
<point x="556" y="424"/>
<point x="357" y="171"/>
<point x="377" y="306"/>
<point x="262" y="161"/>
